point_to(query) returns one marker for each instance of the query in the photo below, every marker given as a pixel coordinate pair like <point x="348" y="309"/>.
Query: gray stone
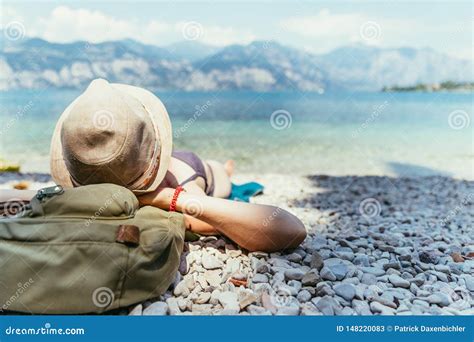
<point x="294" y="274"/>
<point x="347" y="311"/>
<point x="326" y="305"/>
<point x="267" y="303"/>
<point x="317" y="261"/>
<point x="376" y="307"/>
<point x="213" y="278"/>
<point x="327" y="274"/>
<point x="304" y="296"/>
<point x="419" y="279"/>
<point x="156" y="309"/>
<point x="361" y="260"/>
<point x="210" y="262"/>
<point x="286" y="290"/>
<point x="398" y="281"/>
<point x="288" y="311"/>
<point x="203" y="298"/>
<point x="262" y="267"/>
<point x="308" y="309"/>
<point x="373" y="270"/>
<point x="469" y="282"/>
<point x="257" y="310"/>
<point x="173" y="306"/>
<point x="294" y="257"/>
<point x="181" y="289"/>
<point x="311" y="278"/>
<point x="439" y="298"/>
<point x="368" y="279"/>
<point x="361" y="307"/>
<point x="246" y="297"/>
<point x="295" y="284"/>
<point x="346" y="291"/>
<point x="259" y="278"/>
<point x="443" y="268"/>
<point x="137" y="310"/>
<point x="345" y="255"/>
<point x="229" y="300"/>
<point x="339" y="271"/>
<point x="394" y="265"/>
<point x="428" y="257"/>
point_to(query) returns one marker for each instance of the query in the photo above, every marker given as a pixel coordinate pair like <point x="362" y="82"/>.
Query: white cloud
<point x="221" y="36"/>
<point x="328" y="30"/>
<point x="66" y="24"/>
<point x="212" y="34"/>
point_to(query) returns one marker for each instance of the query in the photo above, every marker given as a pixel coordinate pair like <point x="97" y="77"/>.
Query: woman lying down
<point x="115" y="133"/>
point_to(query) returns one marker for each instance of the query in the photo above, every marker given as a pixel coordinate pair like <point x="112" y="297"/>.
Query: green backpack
<point x="87" y="249"/>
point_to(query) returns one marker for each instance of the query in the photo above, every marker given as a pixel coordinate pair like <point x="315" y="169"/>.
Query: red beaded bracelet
<point x="175" y="198"/>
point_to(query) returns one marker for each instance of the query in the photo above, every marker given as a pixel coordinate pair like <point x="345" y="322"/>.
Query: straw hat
<point x="112" y="133"/>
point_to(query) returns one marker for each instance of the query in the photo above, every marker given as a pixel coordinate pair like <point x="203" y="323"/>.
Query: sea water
<point x="397" y="134"/>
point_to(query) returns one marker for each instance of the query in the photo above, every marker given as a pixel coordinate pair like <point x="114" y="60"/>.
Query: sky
<point x="316" y="26"/>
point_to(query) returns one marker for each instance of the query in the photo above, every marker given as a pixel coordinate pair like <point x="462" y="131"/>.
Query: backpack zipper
<point x="49" y="192"/>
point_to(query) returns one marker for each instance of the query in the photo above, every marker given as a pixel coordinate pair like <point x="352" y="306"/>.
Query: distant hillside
<point x="443" y="86"/>
<point x="370" y="68"/>
<point x="189" y="65"/>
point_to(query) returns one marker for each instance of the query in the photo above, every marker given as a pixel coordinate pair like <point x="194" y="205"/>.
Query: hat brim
<point x="159" y="117"/>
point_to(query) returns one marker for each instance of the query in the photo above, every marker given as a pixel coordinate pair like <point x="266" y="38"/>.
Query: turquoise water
<point x="333" y="133"/>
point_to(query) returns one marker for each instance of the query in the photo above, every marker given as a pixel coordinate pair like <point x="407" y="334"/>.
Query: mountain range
<point x="191" y="66"/>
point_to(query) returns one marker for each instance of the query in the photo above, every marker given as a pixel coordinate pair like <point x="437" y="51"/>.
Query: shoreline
<point x="375" y="245"/>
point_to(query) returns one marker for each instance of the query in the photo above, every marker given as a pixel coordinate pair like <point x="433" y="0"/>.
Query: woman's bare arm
<point x="254" y="227"/>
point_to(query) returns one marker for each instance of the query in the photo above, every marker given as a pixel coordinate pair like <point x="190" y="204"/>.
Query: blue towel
<point x="243" y="192"/>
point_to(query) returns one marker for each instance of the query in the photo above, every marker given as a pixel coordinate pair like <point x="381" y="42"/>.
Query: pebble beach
<point x="376" y="245"/>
